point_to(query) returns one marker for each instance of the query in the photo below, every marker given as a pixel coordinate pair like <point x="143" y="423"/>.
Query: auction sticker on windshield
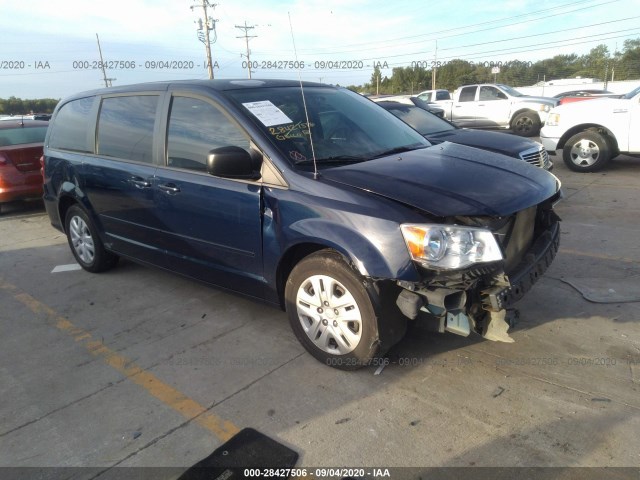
<point x="267" y="113"/>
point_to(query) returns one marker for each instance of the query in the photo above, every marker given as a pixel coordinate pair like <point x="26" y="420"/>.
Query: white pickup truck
<point x="496" y="106"/>
<point x="592" y="133"/>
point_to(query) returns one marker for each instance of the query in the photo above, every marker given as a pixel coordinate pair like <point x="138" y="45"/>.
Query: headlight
<point x="450" y="246"/>
<point x="553" y="119"/>
<point x="544" y="108"/>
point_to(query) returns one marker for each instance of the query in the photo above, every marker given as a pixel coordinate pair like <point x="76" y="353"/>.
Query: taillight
<point x="3" y="160"/>
<point x="42" y="167"/>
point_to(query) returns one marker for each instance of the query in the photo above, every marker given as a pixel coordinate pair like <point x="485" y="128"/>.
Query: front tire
<point x="331" y="311"/>
<point x="586" y="151"/>
<point x="85" y="242"/>
<point x="526" y="124"/>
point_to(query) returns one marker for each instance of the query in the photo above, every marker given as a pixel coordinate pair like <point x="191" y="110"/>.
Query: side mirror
<point x="232" y="162"/>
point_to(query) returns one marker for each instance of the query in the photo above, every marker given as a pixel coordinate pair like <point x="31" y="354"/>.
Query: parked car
<point x="591" y="133"/>
<point x="437" y="130"/>
<point x="314" y="199"/>
<point x="579" y="95"/>
<point x="21" y="143"/>
<point x="410" y="100"/>
<point x="497" y="106"/>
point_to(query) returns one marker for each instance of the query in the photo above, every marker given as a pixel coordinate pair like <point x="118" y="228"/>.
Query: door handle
<point x="140" y="182"/>
<point x="170" y="188"/>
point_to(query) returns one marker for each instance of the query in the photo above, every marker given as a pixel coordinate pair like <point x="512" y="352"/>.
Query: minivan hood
<point x="449" y="179"/>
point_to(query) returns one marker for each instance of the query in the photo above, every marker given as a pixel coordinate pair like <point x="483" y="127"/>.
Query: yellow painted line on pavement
<point x="173" y="398"/>
<point x="600" y="256"/>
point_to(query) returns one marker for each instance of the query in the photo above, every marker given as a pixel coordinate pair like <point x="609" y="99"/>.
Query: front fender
<point x="380" y="253"/>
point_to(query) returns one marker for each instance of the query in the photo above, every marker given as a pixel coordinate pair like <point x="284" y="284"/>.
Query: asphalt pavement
<point x="140" y="367"/>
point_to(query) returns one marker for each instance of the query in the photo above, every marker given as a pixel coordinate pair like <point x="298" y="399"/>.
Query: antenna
<point x="304" y="102"/>
<point x="107" y="81"/>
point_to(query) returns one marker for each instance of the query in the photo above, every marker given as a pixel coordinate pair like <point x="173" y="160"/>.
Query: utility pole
<point x="613" y="67"/>
<point x="435" y="69"/>
<point x="246" y="39"/>
<point x="204" y="27"/>
<point x="107" y="81"/>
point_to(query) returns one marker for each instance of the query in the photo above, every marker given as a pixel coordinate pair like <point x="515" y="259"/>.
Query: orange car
<point x="21" y="143"/>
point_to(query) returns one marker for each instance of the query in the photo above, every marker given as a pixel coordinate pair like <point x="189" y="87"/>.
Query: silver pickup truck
<point x="497" y="106"/>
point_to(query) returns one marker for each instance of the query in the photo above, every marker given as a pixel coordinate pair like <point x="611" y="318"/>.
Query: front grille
<point x="514" y="233"/>
<point x="536" y="156"/>
<point x="519" y="237"/>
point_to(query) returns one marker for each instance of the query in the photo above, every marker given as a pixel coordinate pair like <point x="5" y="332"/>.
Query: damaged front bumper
<point x="480" y="299"/>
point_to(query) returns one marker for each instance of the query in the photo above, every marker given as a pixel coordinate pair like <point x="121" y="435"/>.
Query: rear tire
<point x="85" y="242"/>
<point x="332" y="313"/>
<point x="586" y="151"/>
<point x="526" y="124"/>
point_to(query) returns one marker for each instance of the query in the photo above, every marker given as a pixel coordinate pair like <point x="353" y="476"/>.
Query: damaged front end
<point x="474" y="269"/>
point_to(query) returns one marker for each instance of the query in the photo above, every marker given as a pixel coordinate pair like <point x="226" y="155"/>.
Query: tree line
<point x="18" y="106"/>
<point x="599" y="63"/>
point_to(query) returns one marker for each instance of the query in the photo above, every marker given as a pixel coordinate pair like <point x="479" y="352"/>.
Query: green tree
<point x="627" y="64"/>
<point x="594" y="64"/>
<point x="18" y="106"/>
<point x="598" y="63"/>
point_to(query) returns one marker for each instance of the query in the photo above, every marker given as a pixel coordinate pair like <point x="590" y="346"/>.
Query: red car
<point x="21" y="143"/>
<point x="579" y="95"/>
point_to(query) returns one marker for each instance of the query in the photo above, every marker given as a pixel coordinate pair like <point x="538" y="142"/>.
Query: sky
<point x="49" y="49"/>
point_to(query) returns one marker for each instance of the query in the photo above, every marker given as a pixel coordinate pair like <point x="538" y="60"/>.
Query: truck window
<point x="468" y="94"/>
<point x="442" y="95"/>
<point x="491" y="93"/>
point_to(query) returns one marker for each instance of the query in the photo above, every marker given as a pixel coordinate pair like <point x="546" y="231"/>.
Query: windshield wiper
<point x="406" y="148"/>
<point x="334" y="159"/>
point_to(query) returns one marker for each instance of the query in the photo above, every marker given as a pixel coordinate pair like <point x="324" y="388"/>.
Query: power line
<point x="581" y="27"/>
<point x="437" y="34"/>
<point x="515" y="38"/>
<point x="546" y="46"/>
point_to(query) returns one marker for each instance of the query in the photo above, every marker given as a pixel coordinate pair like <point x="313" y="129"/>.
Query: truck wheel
<point x="85" y="243"/>
<point x="586" y="151"/>
<point x="331" y="311"/>
<point x="526" y="124"/>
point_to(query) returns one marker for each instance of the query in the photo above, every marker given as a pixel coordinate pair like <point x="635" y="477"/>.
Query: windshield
<point x="511" y="91"/>
<point x="632" y="93"/>
<point x="345" y="127"/>
<point x="424" y="122"/>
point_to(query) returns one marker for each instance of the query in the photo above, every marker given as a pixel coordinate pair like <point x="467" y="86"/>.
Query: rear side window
<point x="195" y="128"/>
<point x="440" y="95"/>
<point x="468" y="94"/>
<point x="20" y="136"/>
<point x="69" y="131"/>
<point x="125" y="127"/>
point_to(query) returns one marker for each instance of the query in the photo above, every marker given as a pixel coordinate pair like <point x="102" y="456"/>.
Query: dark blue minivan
<point x="304" y="195"/>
